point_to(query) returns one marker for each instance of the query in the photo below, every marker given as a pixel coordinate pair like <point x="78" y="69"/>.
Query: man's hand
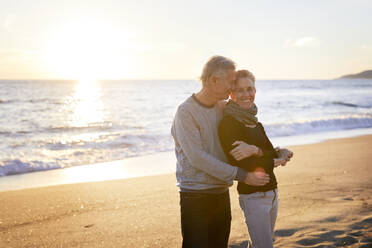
<point x="257" y="178"/>
<point x="243" y="150"/>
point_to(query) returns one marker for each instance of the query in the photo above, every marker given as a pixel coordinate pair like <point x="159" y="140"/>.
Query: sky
<point x="170" y="39"/>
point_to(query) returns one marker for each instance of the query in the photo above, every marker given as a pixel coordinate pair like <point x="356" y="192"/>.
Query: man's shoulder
<point x="186" y="106"/>
<point x="186" y="103"/>
<point x="192" y="106"/>
<point x="186" y="109"/>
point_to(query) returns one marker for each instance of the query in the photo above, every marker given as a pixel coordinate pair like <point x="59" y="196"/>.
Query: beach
<point x="325" y="200"/>
<point x="94" y="104"/>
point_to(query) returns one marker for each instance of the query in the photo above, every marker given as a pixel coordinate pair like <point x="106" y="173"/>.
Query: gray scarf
<point x="246" y="116"/>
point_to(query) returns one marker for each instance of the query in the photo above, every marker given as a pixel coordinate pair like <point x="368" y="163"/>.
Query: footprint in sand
<point x="364" y="224"/>
<point x="348" y="199"/>
<point x="308" y="242"/>
<point x="285" y="232"/>
<point x="330" y="219"/>
<point x="367" y="240"/>
<point x="344" y="241"/>
<point x="331" y="234"/>
<point x="356" y="234"/>
<point x="243" y="244"/>
<point x="329" y="237"/>
<point x="366" y="246"/>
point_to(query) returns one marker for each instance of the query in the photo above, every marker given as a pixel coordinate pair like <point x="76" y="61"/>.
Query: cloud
<point x="307" y="41"/>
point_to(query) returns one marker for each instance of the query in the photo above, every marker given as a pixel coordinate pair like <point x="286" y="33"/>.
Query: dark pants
<point x="205" y="219"/>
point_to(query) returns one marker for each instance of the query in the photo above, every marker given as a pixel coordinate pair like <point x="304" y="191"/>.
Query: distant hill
<point x="363" y="74"/>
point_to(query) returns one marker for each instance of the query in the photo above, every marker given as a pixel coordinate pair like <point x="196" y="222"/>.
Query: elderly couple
<point x="218" y="142"/>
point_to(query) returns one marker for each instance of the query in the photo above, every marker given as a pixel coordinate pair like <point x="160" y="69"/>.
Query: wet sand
<point x="325" y="200"/>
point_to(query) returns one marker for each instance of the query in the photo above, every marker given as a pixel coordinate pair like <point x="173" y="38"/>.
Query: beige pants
<point x="260" y="210"/>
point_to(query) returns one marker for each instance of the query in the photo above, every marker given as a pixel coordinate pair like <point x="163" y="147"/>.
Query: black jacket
<point x="231" y="130"/>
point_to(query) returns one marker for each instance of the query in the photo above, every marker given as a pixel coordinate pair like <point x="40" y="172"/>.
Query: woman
<point x="246" y="145"/>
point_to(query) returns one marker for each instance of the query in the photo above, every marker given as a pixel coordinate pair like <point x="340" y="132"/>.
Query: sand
<point x="325" y="200"/>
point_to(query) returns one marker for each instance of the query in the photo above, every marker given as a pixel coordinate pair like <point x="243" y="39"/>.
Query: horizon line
<point x="142" y="79"/>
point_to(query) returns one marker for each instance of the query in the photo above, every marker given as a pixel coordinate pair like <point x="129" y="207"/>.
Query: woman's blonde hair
<point x="245" y="74"/>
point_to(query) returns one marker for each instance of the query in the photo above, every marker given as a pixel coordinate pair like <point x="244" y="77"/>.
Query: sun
<point x="87" y="49"/>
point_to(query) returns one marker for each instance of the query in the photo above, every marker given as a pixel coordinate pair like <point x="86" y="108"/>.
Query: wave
<point x="6" y="101"/>
<point x="42" y="100"/>
<point x="45" y="100"/>
<point x="99" y="126"/>
<point x="119" y="146"/>
<point x="86" y="153"/>
<point x="90" y="127"/>
<point x="56" y="146"/>
<point x="5" y="133"/>
<point x="16" y="166"/>
<point x="319" y="125"/>
<point x="104" y="142"/>
<point x="350" y="104"/>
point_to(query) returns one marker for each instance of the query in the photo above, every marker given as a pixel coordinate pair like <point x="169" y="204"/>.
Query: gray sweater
<point x="201" y="162"/>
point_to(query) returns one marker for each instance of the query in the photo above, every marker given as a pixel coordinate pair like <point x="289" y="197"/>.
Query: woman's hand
<point x="285" y="155"/>
<point x="279" y="161"/>
<point x="243" y="150"/>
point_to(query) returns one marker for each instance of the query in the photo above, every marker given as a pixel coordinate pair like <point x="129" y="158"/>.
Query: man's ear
<point x="212" y="80"/>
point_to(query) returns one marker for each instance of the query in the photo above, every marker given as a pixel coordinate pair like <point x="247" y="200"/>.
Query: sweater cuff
<point x="268" y="153"/>
<point x="241" y="175"/>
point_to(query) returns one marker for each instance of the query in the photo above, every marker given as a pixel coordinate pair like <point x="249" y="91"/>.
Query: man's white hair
<point x="216" y="66"/>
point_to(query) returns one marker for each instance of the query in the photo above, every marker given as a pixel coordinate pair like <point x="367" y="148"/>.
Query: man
<point x="202" y="174"/>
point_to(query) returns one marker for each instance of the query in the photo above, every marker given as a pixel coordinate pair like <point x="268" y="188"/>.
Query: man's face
<point x="224" y="84"/>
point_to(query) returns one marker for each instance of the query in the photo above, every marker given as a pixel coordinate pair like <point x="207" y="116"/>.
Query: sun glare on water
<point x="86" y="104"/>
<point x="87" y="50"/>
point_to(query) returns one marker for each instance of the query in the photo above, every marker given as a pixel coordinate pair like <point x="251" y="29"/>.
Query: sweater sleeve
<point x="187" y="133"/>
<point x="267" y="160"/>
<point x="268" y="152"/>
<point x="229" y="131"/>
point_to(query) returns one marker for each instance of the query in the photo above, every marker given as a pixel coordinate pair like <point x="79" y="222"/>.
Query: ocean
<point x="50" y="124"/>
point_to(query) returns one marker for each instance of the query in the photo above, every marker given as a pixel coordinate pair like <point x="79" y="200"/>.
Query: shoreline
<point x="134" y="167"/>
<point x="127" y="168"/>
<point x="325" y="200"/>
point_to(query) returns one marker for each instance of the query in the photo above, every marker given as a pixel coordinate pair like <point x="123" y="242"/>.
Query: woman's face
<point x="244" y="93"/>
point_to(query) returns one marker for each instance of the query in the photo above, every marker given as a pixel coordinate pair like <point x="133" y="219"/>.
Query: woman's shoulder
<point x="229" y="118"/>
<point x="229" y="121"/>
<point x="259" y="124"/>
